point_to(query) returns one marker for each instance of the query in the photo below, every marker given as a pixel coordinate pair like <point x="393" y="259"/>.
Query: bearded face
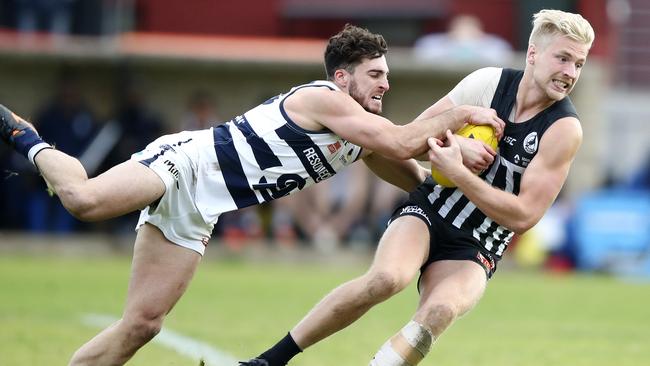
<point x="368" y="83"/>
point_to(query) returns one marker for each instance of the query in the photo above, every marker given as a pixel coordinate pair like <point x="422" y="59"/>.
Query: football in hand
<point x="484" y="133"/>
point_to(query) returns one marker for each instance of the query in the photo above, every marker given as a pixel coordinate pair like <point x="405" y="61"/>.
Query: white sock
<point x="386" y="356"/>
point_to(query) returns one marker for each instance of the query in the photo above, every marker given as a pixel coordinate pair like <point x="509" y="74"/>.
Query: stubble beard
<point x="354" y="93"/>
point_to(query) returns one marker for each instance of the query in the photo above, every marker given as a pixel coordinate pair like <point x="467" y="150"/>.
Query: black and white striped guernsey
<point x="517" y="148"/>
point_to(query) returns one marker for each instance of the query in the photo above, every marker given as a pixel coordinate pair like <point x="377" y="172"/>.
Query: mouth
<point x="562" y="85"/>
<point x="377" y="97"/>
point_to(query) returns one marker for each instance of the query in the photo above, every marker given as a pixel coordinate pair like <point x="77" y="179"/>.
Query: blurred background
<point x="102" y="78"/>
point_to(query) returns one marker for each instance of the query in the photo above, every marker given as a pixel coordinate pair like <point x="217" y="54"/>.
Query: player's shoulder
<point x="484" y="75"/>
<point x="567" y="107"/>
<point x="316" y="86"/>
<point x="562" y="109"/>
<point x="567" y="124"/>
<point x="565" y="135"/>
<point x="324" y="96"/>
<point x="318" y="104"/>
<point x="317" y="89"/>
<point x="477" y="88"/>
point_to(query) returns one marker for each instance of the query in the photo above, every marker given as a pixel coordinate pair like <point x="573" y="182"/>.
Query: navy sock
<point x="282" y="352"/>
<point x="25" y="141"/>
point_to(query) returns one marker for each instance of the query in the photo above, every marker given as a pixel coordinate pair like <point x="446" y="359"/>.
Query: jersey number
<point x="286" y="184"/>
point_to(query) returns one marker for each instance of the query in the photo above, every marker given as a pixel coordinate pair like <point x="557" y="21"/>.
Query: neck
<point x="531" y="99"/>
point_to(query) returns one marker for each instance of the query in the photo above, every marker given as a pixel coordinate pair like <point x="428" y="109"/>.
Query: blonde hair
<point x="549" y="22"/>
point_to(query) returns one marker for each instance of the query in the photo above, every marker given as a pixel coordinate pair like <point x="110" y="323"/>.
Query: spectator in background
<point x="327" y="214"/>
<point x="68" y="122"/>
<point x="13" y="189"/>
<point x="465" y="41"/>
<point x="138" y="123"/>
<point x="134" y="126"/>
<point x="54" y="16"/>
<point x="201" y="112"/>
<point x="383" y="199"/>
<point x="351" y="208"/>
<point x="556" y="234"/>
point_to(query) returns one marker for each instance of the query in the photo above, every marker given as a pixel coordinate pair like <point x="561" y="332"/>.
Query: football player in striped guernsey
<point x="183" y="182"/>
<point x="454" y="237"/>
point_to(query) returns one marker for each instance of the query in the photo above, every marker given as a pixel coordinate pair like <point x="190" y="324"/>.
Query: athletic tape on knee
<point x="406" y="348"/>
<point x="418" y="336"/>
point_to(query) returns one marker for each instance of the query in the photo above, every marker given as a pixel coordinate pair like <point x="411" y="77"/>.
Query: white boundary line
<point x="182" y="344"/>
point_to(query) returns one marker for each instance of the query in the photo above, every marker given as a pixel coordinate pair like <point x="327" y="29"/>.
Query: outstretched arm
<point x="476" y="155"/>
<point x="341" y="114"/>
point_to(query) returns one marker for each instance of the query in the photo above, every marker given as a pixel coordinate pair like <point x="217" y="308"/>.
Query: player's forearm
<point x="436" y="126"/>
<point x="502" y="207"/>
<point x="404" y="174"/>
<point x="410" y="140"/>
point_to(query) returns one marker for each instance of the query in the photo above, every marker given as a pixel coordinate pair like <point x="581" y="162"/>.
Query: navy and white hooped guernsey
<point x="263" y="155"/>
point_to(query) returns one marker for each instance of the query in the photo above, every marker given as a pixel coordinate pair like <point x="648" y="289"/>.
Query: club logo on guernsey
<point x="530" y="143"/>
<point x="415" y="210"/>
<point x="316" y="164"/>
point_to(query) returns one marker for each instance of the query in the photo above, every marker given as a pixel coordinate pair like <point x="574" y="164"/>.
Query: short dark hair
<point x="349" y="47"/>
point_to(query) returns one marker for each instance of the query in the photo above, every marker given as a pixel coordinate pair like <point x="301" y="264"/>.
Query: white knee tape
<point x="418" y="337"/>
<point x="406" y="348"/>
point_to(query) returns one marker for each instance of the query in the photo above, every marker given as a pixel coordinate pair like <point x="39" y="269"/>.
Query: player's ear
<point x="531" y="53"/>
<point x="342" y="77"/>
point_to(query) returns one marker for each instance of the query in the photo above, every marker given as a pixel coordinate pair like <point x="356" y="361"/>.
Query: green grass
<point x="525" y="319"/>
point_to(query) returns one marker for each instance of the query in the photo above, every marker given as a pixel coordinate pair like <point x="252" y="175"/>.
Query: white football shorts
<point x="173" y="158"/>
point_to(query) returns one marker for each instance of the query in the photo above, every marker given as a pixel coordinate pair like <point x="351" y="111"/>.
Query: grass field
<point x="241" y="308"/>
